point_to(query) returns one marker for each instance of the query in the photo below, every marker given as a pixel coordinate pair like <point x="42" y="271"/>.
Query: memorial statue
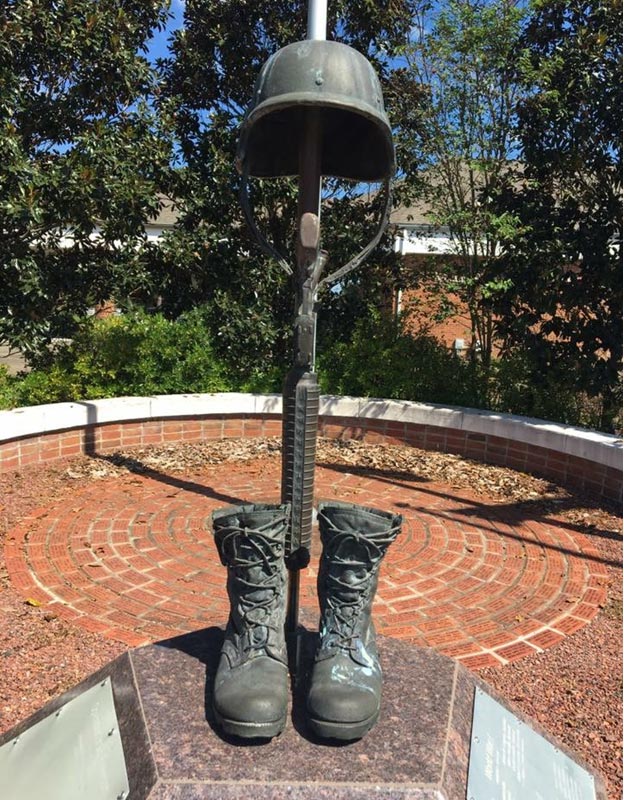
<point x="317" y="110"/>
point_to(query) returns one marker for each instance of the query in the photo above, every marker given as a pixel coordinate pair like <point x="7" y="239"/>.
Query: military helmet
<point x="342" y="85"/>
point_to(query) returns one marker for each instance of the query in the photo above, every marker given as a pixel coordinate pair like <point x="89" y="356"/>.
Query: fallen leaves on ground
<point x="409" y="462"/>
<point x="497" y="484"/>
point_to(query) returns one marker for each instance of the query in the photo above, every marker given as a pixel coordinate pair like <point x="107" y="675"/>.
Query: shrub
<point x="382" y="361"/>
<point x="7" y="388"/>
<point x="519" y="389"/>
<point x="136" y="354"/>
<point x="143" y="354"/>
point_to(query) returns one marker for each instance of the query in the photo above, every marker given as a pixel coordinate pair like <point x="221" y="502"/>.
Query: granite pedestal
<point x="419" y="750"/>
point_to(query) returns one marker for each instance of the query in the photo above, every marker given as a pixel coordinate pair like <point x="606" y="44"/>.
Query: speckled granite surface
<point x="404" y="752"/>
<point x="419" y="750"/>
<point x="288" y="792"/>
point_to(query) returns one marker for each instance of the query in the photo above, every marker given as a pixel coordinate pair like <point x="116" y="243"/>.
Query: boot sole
<point x="250" y="730"/>
<point x="344" y="731"/>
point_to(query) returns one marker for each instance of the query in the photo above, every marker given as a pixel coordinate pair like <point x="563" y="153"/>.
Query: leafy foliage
<point x="516" y="388"/>
<point x="144" y="354"/>
<point x="562" y="309"/>
<point x="380" y="360"/>
<point x="82" y="160"/>
<point x="135" y="354"/>
<point x="459" y="96"/>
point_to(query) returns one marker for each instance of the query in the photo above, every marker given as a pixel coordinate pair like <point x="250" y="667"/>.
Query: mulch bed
<point x="573" y="689"/>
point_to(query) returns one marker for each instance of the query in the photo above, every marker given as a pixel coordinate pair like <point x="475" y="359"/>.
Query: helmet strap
<point x="266" y="246"/>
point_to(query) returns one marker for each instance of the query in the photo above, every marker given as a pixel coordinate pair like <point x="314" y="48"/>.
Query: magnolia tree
<point x="82" y="160"/>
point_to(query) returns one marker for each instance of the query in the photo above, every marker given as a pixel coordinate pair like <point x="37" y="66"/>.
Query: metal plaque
<point x="74" y="754"/>
<point x="510" y="761"/>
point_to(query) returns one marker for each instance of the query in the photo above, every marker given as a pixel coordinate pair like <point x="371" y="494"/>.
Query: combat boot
<point x="250" y="696"/>
<point x="345" y="689"/>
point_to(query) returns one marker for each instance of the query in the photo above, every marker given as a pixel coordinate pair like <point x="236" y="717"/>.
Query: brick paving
<point x="133" y="559"/>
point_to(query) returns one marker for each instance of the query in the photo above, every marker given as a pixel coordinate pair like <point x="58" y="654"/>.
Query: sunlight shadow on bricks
<point x="134" y="465"/>
<point x="139" y="468"/>
<point x="482" y="523"/>
<point x="536" y="510"/>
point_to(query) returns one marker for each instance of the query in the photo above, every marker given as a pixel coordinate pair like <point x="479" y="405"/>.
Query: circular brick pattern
<point x="133" y="559"/>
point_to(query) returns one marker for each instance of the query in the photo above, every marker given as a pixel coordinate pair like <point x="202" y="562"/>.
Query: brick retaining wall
<point x="582" y="460"/>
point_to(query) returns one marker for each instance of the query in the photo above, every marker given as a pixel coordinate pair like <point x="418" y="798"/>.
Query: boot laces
<point x="349" y="584"/>
<point x="257" y="583"/>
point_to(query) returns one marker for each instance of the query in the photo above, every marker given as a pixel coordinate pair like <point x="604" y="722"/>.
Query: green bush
<point x="7" y="388"/>
<point x="134" y="354"/>
<point x="382" y="361"/>
<point x="519" y="389"/>
<point x="143" y="354"/>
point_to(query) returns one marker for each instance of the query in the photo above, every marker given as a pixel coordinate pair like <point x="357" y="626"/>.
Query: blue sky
<point x="158" y="43"/>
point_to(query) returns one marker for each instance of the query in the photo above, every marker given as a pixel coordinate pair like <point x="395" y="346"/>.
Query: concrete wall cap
<point x="597" y="447"/>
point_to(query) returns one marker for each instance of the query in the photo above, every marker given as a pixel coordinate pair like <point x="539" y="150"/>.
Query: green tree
<point x="459" y="95"/>
<point x="82" y="157"/>
<point x="211" y="257"/>
<point x="562" y="309"/>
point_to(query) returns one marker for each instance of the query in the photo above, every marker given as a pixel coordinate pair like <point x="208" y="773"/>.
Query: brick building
<point x="422" y="246"/>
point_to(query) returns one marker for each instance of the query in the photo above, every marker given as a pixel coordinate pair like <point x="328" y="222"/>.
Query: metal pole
<point x="301" y="391"/>
<point x="309" y="152"/>
<point x="317" y="19"/>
